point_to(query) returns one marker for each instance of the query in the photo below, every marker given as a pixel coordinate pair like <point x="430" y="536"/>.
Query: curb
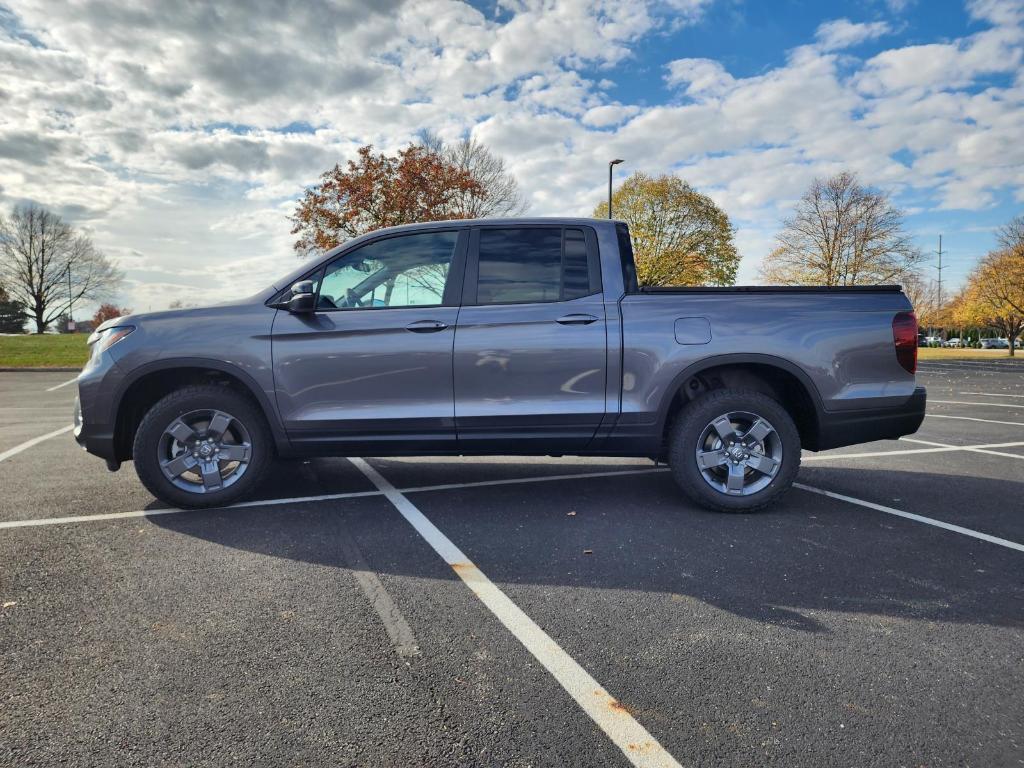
<point x="39" y="370"/>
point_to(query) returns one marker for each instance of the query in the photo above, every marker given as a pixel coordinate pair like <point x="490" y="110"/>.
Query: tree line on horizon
<point x="841" y="232"/>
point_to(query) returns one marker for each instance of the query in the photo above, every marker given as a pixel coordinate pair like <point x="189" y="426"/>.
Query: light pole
<point x="610" y="166"/>
<point x="71" y="304"/>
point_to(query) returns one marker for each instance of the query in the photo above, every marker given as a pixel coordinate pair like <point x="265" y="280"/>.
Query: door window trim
<point x="471" y="279"/>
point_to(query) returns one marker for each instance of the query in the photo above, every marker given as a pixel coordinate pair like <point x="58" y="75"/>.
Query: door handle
<point x="426" y="326"/>
<point x="576" y="319"/>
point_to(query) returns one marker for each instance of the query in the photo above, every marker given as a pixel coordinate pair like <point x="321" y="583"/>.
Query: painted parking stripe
<point x="639" y="747"/>
<point x="990" y="405"/>
<point x="34" y="441"/>
<point x="972" y="418"/>
<point x="936" y="448"/>
<point x="990" y="394"/>
<point x="975" y="448"/>
<point x="70" y="381"/>
<point x="177" y="511"/>
<point x="308" y="499"/>
<point x="911" y="516"/>
<point x="534" y="479"/>
<point x="399" y="632"/>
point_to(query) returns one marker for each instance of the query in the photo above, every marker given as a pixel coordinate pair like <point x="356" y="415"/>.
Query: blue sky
<point x="180" y="134"/>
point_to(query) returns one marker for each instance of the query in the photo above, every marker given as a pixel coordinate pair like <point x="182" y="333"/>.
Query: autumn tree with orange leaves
<point x="378" y="190"/>
<point x="109" y="312"/>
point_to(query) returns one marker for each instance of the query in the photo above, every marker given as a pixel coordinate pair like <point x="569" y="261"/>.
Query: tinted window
<point x="626" y="254"/>
<point x="531" y="265"/>
<point x="407" y="271"/>
<point x="575" y="269"/>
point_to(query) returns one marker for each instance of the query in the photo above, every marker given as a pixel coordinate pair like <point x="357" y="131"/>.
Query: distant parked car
<point x="954" y="343"/>
<point x="922" y="340"/>
<point x="933" y="341"/>
<point x="995" y="344"/>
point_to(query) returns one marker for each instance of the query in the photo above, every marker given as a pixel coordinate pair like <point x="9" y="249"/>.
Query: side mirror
<point x="303" y="299"/>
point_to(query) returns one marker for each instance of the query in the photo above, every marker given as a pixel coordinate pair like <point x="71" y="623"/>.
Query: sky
<point x="179" y="134"/>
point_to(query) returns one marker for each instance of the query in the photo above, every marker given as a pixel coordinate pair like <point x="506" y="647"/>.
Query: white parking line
<point x="34" y="441"/>
<point x="990" y="394"/>
<point x="71" y="381"/>
<point x="177" y="511"/>
<point x="639" y="747"/>
<point x="307" y="499"/>
<point x="990" y="405"/>
<point x="535" y="479"/>
<point x="911" y="516"/>
<point x="938" y="448"/>
<point x="974" y="448"/>
<point x="972" y="418"/>
<point x="398" y="629"/>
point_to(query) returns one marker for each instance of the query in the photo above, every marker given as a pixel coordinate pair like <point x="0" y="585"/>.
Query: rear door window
<point x="532" y="265"/>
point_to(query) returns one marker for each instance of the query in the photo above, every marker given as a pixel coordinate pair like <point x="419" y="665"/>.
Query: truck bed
<point x="771" y="289"/>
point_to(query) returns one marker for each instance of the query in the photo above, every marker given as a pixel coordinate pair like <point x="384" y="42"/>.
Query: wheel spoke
<point x="232" y="452"/>
<point x="723" y="427"/>
<point x="218" y="424"/>
<point x="211" y="475"/>
<point x="180" y="431"/>
<point x="709" y="459"/>
<point x="758" y="431"/>
<point x="764" y="464"/>
<point x="179" y="465"/>
<point x="736" y="477"/>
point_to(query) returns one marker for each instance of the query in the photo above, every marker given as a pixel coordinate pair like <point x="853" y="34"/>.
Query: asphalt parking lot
<point x="522" y="612"/>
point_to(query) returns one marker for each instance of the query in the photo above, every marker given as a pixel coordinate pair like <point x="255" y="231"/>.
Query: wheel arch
<point x="774" y="376"/>
<point x="147" y="384"/>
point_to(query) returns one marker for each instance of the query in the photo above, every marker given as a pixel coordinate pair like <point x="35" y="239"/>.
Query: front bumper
<point x="839" y="428"/>
<point x="97" y="439"/>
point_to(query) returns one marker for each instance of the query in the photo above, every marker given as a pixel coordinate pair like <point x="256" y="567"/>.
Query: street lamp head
<point x="615" y="162"/>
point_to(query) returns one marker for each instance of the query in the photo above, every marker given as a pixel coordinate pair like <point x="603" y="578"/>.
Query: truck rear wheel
<point x="202" y="446"/>
<point x="734" y="450"/>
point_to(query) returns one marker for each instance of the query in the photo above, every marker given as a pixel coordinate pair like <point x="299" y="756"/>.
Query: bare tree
<point x="498" y="194"/>
<point x="842" y="234"/>
<point x="47" y="266"/>
<point x="923" y="296"/>
<point x="1011" y="234"/>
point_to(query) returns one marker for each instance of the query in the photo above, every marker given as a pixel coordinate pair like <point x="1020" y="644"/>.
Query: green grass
<point x="941" y="353"/>
<point x="44" y="351"/>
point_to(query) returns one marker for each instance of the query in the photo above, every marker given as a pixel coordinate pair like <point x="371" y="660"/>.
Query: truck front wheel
<point x="202" y="446"/>
<point x="734" y="450"/>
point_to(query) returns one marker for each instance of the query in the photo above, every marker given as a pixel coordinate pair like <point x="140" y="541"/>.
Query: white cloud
<point x="843" y="33"/>
<point x="181" y="133"/>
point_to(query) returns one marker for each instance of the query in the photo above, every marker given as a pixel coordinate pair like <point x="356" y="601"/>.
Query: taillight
<point x="904" y="336"/>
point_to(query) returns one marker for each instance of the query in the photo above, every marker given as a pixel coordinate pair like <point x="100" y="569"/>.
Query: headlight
<point x="101" y="341"/>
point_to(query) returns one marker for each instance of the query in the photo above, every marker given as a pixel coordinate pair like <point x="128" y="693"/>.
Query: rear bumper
<point x="836" y="429"/>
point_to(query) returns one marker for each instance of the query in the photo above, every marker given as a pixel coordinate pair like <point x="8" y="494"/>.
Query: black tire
<point x="150" y="440"/>
<point x="688" y="434"/>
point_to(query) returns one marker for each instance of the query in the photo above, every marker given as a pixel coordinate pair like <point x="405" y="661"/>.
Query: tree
<point x="923" y="297"/>
<point x="377" y="191"/>
<point x="1011" y="235"/>
<point x="108" y="312"/>
<point x="46" y="265"/>
<point x="680" y="237"/>
<point x="12" y="314"/>
<point x="995" y="293"/>
<point x="498" y="190"/>
<point x="842" y="234"/>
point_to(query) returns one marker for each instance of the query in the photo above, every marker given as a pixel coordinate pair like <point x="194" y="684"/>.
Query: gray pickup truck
<point x="506" y="336"/>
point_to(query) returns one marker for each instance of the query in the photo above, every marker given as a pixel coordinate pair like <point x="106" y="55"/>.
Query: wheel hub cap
<point x="739" y="453"/>
<point x="204" y="451"/>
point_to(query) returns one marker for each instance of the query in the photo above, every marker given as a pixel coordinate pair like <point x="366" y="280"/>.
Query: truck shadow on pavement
<point x="806" y="556"/>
